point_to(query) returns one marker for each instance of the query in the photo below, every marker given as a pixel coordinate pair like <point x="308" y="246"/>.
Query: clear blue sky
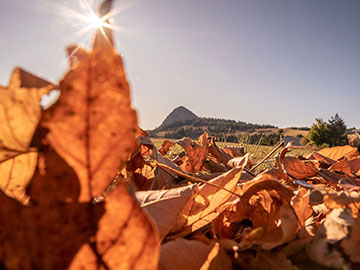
<point x="277" y="62"/>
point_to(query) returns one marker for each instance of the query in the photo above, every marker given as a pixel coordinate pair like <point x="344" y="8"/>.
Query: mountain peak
<point x="179" y="114"/>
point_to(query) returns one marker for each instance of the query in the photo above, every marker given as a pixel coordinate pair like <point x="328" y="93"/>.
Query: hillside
<point x="179" y="114"/>
<point x="182" y="122"/>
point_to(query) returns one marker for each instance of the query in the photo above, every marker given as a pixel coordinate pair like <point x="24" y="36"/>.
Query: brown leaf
<point x="339" y="199"/>
<point x="338" y="152"/>
<point x="266" y="260"/>
<point x="234" y="151"/>
<point x="301" y="205"/>
<point x="93" y="126"/>
<point x="43" y="235"/>
<point x="203" y="208"/>
<point x="216" y="152"/>
<point x="165" y="147"/>
<point x="298" y="169"/>
<point x="197" y="153"/>
<point x="57" y="232"/>
<point x="151" y="176"/>
<point x="126" y="239"/>
<point x="322" y="249"/>
<point x="351" y="244"/>
<point x="165" y="205"/>
<point x="265" y="205"/>
<point x="238" y="161"/>
<point x="190" y="254"/>
<point x="20" y="114"/>
<point x="321" y="158"/>
<point x="350" y="167"/>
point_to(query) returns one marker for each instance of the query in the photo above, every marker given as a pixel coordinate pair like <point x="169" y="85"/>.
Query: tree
<point x="318" y="133"/>
<point x="336" y="131"/>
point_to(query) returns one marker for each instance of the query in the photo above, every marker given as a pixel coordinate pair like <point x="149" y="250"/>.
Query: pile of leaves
<point x="68" y="176"/>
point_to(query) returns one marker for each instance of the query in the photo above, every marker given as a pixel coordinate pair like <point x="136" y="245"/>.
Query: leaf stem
<point x="268" y="155"/>
<point x="193" y="178"/>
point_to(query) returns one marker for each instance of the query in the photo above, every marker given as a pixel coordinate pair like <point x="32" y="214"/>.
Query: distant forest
<point x="222" y="129"/>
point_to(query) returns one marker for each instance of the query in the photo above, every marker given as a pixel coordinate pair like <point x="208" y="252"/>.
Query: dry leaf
<point x="126" y="239"/>
<point x="350" y="167"/>
<point x="218" y="153"/>
<point x="351" y="244"/>
<point x="298" y="169"/>
<point x="93" y="126"/>
<point x="234" y="151"/>
<point x="190" y="254"/>
<point x="238" y="161"/>
<point x="196" y="152"/>
<point x="165" y="147"/>
<point x="338" y="152"/>
<point x="301" y="205"/>
<point x="265" y="205"/>
<point x="202" y="208"/>
<point x="266" y="260"/>
<point x="43" y="235"/>
<point x="165" y="205"/>
<point x="151" y="176"/>
<point x="322" y="248"/>
<point x="20" y="114"/>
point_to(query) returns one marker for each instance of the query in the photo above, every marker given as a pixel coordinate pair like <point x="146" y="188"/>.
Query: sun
<point x="95" y="22"/>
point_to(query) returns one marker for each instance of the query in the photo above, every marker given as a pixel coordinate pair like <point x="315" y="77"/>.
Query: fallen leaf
<point x="20" y="114"/>
<point x="301" y="205"/>
<point x="238" y="161"/>
<point x="93" y="126"/>
<point x="265" y="204"/>
<point x="196" y="152"/>
<point x="165" y="147"/>
<point x="216" y="152"/>
<point x="350" y="167"/>
<point x="351" y="244"/>
<point x="164" y="206"/>
<point x="44" y="235"/>
<point x="190" y="254"/>
<point x="149" y="176"/>
<point x="202" y="208"/>
<point x="266" y="260"/>
<point x="322" y="248"/>
<point x="234" y="151"/>
<point x="297" y="168"/>
<point x="338" y="152"/>
<point x="126" y="238"/>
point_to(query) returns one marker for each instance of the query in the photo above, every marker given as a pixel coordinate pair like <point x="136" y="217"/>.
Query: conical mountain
<point x="178" y="114"/>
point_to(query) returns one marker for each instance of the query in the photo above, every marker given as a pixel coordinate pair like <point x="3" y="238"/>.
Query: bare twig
<point x="268" y="155"/>
<point x="193" y="178"/>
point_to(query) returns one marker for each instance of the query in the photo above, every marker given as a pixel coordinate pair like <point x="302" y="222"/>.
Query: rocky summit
<point x="179" y="114"/>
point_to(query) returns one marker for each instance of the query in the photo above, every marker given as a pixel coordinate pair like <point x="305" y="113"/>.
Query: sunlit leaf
<point x="93" y="126"/>
<point x="193" y="255"/>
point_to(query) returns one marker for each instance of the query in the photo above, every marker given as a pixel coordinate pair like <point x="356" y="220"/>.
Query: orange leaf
<point x="164" y="206"/>
<point x="203" y="208"/>
<point x="20" y="114"/>
<point x="301" y="205"/>
<point x="93" y="126"/>
<point x="165" y="147"/>
<point x="264" y="204"/>
<point x="190" y="254"/>
<point x="197" y="153"/>
<point x="338" y="152"/>
<point x="125" y="238"/>
<point x="351" y="243"/>
<point x="298" y="169"/>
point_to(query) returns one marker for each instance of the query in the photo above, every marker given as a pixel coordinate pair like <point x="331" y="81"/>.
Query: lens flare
<point x="95" y="22"/>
